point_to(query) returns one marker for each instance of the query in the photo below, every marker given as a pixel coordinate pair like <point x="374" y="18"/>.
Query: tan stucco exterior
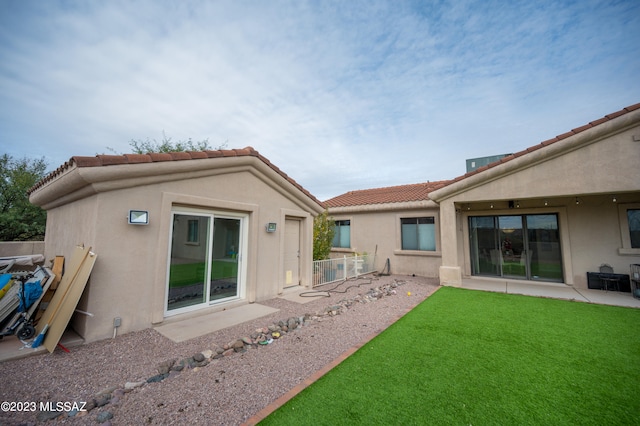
<point x="576" y="178"/>
<point x="375" y="229"/>
<point x="89" y="205"/>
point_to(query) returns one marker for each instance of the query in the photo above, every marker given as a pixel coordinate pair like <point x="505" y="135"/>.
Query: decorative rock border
<point x="168" y="369"/>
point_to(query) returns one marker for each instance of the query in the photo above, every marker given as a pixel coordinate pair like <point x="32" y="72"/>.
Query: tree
<point x="19" y="219"/>
<point x="146" y="146"/>
<point x="323" y="232"/>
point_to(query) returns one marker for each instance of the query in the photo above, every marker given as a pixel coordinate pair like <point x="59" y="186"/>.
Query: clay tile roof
<point x="391" y="194"/>
<point x="137" y="158"/>
<point x="110" y="160"/>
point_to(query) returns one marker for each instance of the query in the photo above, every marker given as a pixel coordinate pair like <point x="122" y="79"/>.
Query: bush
<point x="323" y="231"/>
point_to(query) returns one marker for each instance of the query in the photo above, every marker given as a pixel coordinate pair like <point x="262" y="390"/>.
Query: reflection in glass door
<point x="188" y="262"/>
<point x="204" y="260"/>
<point x="512" y="247"/>
<point x="543" y="239"/>
<point x="516" y="246"/>
<point x="224" y="262"/>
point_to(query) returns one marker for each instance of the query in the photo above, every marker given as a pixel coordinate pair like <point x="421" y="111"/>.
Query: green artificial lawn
<point x="465" y="357"/>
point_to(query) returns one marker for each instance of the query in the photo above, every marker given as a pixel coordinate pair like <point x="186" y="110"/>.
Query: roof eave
<point x="76" y="182"/>
<point x="366" y="208"/>
<point x="537" y="154"/>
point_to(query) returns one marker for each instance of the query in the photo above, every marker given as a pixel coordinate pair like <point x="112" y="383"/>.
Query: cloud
<point x="340" y="95"/>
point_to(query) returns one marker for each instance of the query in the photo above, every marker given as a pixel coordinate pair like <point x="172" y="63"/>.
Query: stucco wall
<point x="380" y="230"/>
<point x="21" y="248"/>
<point x="577" y="178"/>
<point x="129" y="277"/>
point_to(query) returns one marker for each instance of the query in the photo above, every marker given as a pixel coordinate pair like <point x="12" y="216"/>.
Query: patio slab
<point x="302" y="295"/>
<point x="552" y="290"/>
<point x="190" y="328"/>
<point x="12" y="348"/>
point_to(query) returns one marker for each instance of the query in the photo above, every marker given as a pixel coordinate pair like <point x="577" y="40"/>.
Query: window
<point x="418" y="233"/>
<point x="209" y="270"/>
<point x="633" y="217"/>
<point x="342" y="236"/>
<point x="193" y="231"/>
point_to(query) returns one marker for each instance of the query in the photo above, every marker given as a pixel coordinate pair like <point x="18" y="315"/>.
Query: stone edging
<point x="168" y="369"/>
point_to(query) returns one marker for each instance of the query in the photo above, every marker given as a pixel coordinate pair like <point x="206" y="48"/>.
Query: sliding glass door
<point x="204" y="259"/>
<point x="516" y="246"/>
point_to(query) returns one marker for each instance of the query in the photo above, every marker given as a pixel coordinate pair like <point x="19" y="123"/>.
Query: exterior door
<point x="512" y="247"/>
<point x="205" y="259"/>
<point x="516" y="246"/>
<point x="224" y="261"/>
<point x="291" y="252"/>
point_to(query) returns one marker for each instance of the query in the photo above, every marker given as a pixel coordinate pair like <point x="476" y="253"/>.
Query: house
<point x="398" y="224"/>
<point x="177" y="234"/>
<point x="552" y="212"/>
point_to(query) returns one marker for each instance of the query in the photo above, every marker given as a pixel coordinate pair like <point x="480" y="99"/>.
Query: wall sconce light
<point x="138" y="217"/>
<point x="614" y="199"/>
<point x="577" y="201"/>
<point x="517" y="204"/>
<point x="271" y="227"/>
<point x="546" y="203"/>
<point x="491" y="205"/>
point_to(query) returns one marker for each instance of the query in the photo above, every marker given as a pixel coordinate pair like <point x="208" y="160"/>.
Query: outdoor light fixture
<point x="577" y="201"/>
<point x="138" y="217"/>
<point x="271" y="227"/>
<point x="546" y="203"/>
<point x="615" y="200"/>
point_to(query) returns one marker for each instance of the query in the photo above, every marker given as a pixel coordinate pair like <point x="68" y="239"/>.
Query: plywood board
<point x="58" y="268"/>
<point x="60" y="320"/>
<point x="78" y="255"/>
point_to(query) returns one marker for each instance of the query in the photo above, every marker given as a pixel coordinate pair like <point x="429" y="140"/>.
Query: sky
<point x="340" y="95"/>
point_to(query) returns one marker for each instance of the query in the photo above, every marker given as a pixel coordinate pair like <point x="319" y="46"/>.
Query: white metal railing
<point x="338" y="269"/>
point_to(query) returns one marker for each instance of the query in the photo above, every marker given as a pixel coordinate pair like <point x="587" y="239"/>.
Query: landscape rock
<point x="103" y="400"/>
<point x="104" y="416"/>
<point x="129" y="386"/>
<point x="165" y="366"/>
<point x="154" y="379"/>
<point x="44" y="416"/>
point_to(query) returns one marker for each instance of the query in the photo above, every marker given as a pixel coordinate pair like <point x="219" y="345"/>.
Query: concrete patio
<point x="552" y="290"/>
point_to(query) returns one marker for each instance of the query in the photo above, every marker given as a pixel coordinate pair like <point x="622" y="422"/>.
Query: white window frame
<point x="242" y="253"/>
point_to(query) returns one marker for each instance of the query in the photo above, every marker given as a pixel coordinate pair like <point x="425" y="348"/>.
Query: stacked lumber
<point x="63" y="303"/>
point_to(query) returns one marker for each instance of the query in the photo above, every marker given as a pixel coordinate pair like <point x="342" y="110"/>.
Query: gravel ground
<point x="227" y="391"/>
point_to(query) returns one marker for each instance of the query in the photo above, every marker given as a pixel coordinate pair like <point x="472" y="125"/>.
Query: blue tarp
<point x="4" y="279"/>
<point x="32" y="291"/>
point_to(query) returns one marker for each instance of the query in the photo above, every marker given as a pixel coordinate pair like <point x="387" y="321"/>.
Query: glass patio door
<point x="543" y="238"/>
<point x="205" y="254"/>
<point x="224" y="262"/>
<point x="516" y="246"/>
<point x="512" y="247"/>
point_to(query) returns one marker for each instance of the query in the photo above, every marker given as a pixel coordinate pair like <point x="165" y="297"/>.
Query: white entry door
<point x="292" y="252"/>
